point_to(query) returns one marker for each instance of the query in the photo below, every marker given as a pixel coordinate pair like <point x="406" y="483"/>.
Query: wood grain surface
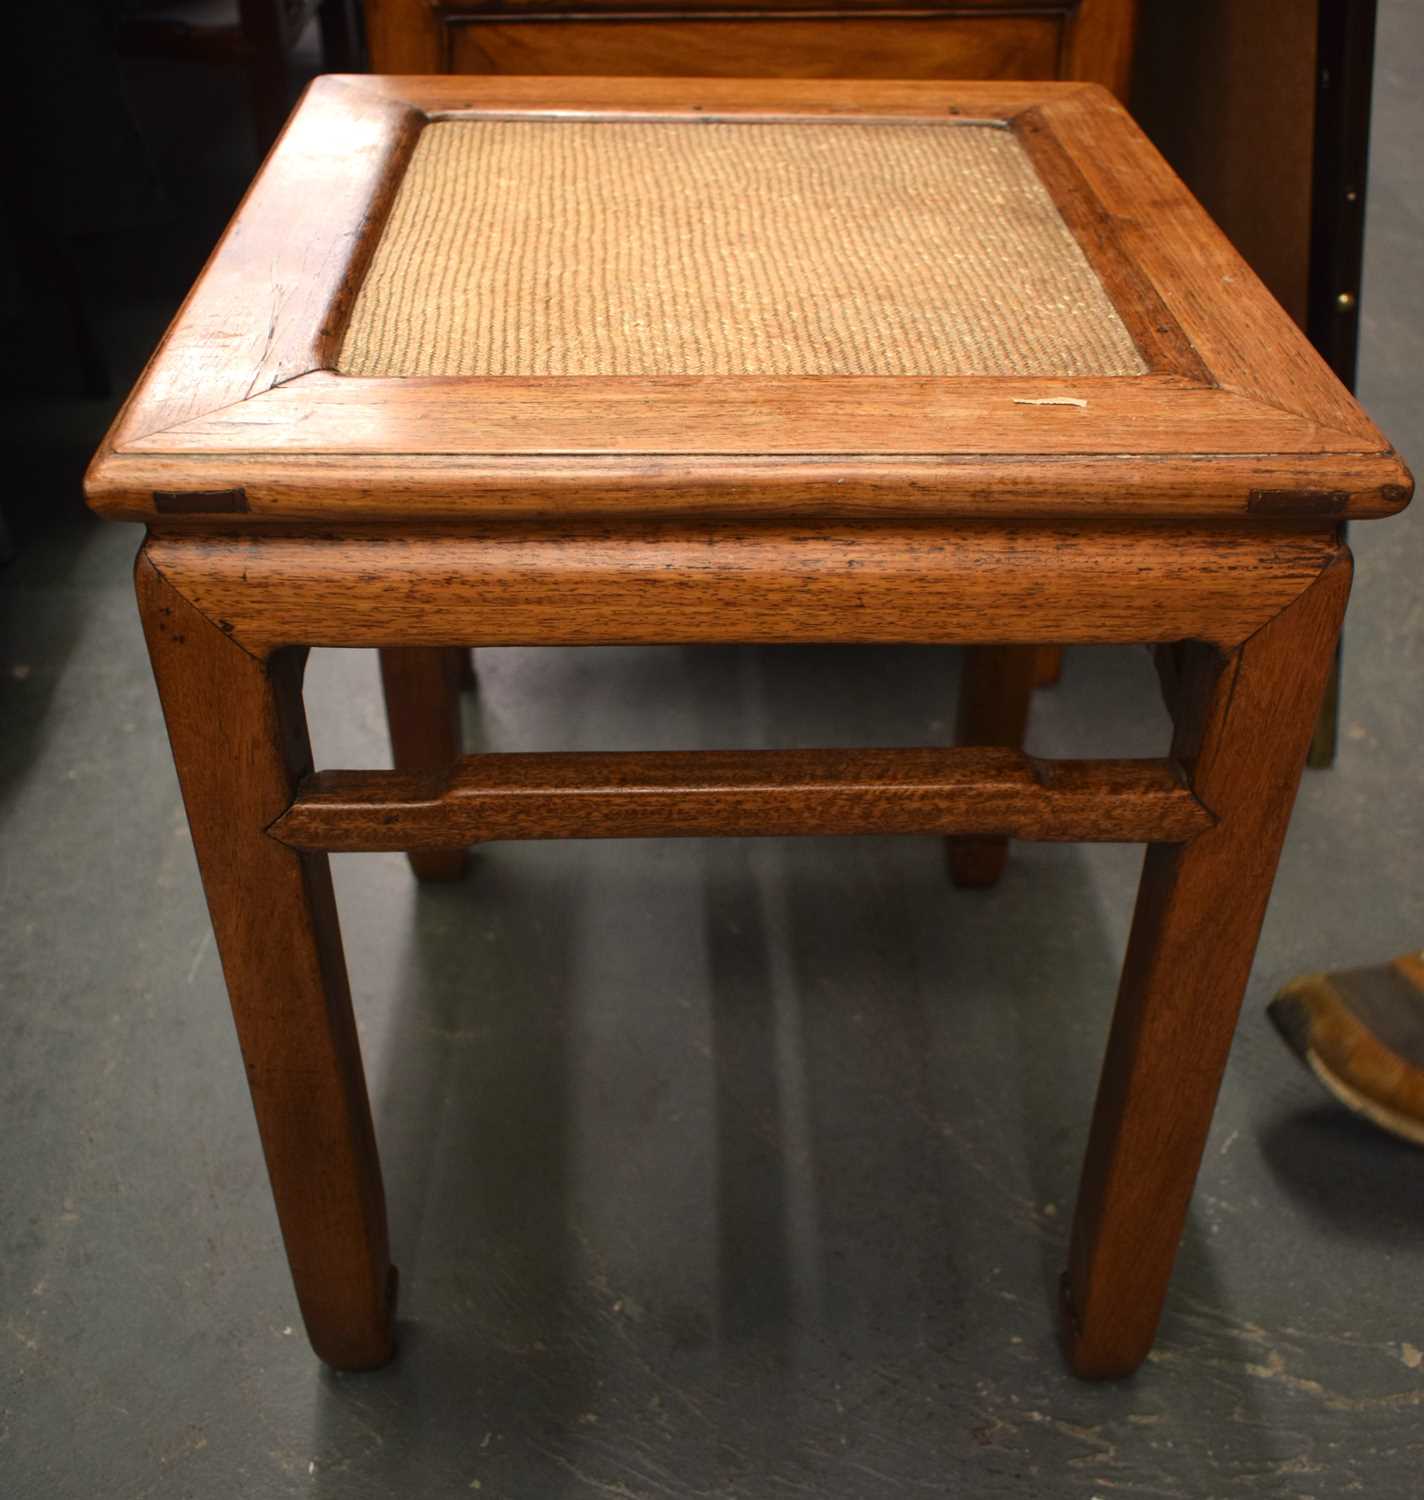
<point x="282" y="277"/>
<point x="1248" y="342"/>
<point x="1244" y="722"/>
<point x="711" y="793"/>
<point x="1090" y="40"/>
<point x="771" y="44"/>
<point x="421" y="688"/>
<point x="1099" y="43"/>
<point x="976" y="582"/>
<point x="241" y="398"/>
<point x="995" y="691"/>
<point x="240" y="745"/>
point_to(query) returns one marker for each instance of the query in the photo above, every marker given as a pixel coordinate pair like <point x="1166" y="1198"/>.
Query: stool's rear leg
<point x="422" y="690"/>
<point x="994" y="694"/>
<point x="1244" y="723"/>
<point x="1047" y="666"/>
<point x="240" y="745"/>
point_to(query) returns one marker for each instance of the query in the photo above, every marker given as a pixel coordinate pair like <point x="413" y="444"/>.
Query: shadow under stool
<point x="492" y="361"/>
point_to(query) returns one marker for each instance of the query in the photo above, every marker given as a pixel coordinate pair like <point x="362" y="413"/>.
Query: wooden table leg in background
<point x="422" y="690"/>
<point x="994" y="696"/>
<point x="1048" y="666"/>
<point x="1244" y="723"/>
<point x="240" y="744"/>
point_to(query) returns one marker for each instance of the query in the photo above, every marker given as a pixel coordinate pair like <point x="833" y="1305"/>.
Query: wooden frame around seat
<point x="244" y="397"/>
<point x="1195" y="508"/>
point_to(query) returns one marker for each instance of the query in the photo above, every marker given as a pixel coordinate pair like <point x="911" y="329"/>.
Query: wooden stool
<point x="577" y="361"/>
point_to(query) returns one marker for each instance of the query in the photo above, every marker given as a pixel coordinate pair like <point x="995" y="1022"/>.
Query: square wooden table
<point x="577" y="361"/>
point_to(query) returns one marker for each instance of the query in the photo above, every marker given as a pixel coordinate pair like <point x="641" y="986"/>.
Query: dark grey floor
<point x="715" y="1169"/>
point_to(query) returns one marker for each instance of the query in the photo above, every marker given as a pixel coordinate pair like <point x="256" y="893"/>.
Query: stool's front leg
<point x="240" y="745"/>
<point x="1244" y="723"/>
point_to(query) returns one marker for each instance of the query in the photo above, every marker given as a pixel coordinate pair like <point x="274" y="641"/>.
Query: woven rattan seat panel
<point x="662" y="248"/>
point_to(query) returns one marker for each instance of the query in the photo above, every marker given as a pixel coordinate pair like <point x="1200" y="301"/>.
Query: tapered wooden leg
<point x="1244" y="724"/>
<point x="240" y="745"/>
<point x="994" y="696"/>
<point x="422" y="688"/>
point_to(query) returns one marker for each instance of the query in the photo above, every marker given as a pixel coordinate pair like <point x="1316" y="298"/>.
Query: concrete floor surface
<point x="720" y="1169"/>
